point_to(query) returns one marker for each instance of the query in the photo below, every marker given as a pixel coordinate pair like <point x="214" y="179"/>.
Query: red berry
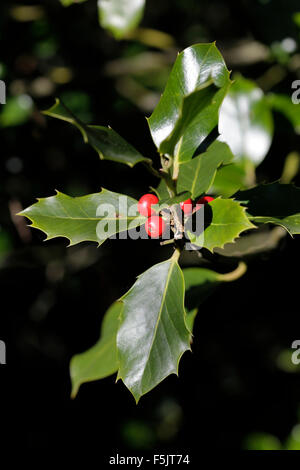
<point x="205" y="200"/>
<point x="145" y="203"/>
<point x="155" y="226"/>
<point x="187" y="206"/>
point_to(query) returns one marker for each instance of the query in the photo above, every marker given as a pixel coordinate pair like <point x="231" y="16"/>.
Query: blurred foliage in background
<point x="239" y="389"/>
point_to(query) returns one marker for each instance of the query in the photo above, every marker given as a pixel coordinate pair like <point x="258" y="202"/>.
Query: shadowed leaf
<point x="284" y="105"/>
<point x="101" y="360"/>
<point x="108" y="144"/>
<point x="273" y="203"/>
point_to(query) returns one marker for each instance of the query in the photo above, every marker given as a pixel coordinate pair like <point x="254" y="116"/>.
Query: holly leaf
<point x="162" y="190"/>
<point x="120" y="16"/>
<point x="188" y="109"/>
<point x="202" y="280"/>
<point x="153" y="335"/>
<point x="108" y="144"/>
<point x="198" y="174"/>
<point x="170" y="201"/>
<point x="95" y="217"/>
<point x="164" y="197"/>
<point x="273" y="203"/>
<point x="100" y="361"/>
<point x="219" y="222"/>
<point x="246" y="122"/>
<point x="192" y="105"/>
<point x="229" y="179"/>
<point x="199" y="284"/>
<point x="291" y="223"/>
<point x="190" y="320"/>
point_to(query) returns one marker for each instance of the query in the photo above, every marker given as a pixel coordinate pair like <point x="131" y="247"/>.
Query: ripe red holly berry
<point x="155" y="226"/>
<point x="145" y="203"/>
<point x="205" y="200"/>
<point x="187" y="206"/>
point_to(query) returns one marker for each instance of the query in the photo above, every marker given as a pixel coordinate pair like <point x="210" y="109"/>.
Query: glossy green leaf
<point x="190" y="320"/>
<point x="198" y="174"/>
<point x="107" y="143"/>
<point x="170" y="201"/>
<point x="192" y="105"/>
<point x="284" y="105"/>
<point x="229" y="179"/>
<point x="78" y="218"/>
<point x="100" y="361"/>
<point x="120" y="16"/>
<point x="152" y="336"/>
<point x="162" y="191"/>
<point x="273" y="203"/>
<point x="245" y="121"/>
<point x="224" y="220"/>
<point x="188" y="109"/>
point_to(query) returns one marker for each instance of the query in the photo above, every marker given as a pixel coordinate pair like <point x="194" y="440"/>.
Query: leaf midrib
<point x="83" y="218"/>
<point x="197" y="172"/>
<point x="230" y="223"/>
<point x="159" y="316"/>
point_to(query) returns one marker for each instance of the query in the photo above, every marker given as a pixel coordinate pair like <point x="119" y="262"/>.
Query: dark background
<point x="53" y="298"/>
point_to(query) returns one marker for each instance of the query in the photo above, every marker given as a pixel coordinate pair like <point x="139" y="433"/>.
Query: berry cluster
<point x="155" y="225"/>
